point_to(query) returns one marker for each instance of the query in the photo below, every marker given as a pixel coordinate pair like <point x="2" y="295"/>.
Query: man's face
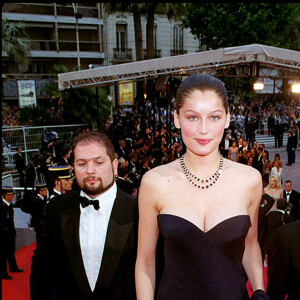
<point x="288" y="186"/>
<point x="8" y="197"/>
<point x="43" y="192"/>
<point x="66" y="185"/>
<point x="94" y="170"/>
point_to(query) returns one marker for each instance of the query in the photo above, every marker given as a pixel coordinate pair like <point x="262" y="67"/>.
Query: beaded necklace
<point x="198" y="182"/>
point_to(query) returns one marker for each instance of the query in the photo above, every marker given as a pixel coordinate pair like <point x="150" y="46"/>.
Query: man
<point x="35" y="206"/>
<point x="264" y="150"/>
<point x="20" y="165"/>
<point x="64" y="160"/>
<point x="7" y="234"/>
<point x="292" y="197"/>
<point x="62" y="178"/>
<point x="284" y="276"/>
<point x="274" y="220"/>
<point x="290" y="148"/>
<point x="122" y="151"/>
<point x="258" y="162"/>
<point x="88" y="251"/>
<point x="243" y="147"/>
<point x="265" y="205"/>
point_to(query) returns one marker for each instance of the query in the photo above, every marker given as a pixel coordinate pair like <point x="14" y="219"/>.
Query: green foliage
<point x="220" y="25"/>
<point x="81" y="105"/>
<point x="39" y="116"/>
<point x="14" y="42"/>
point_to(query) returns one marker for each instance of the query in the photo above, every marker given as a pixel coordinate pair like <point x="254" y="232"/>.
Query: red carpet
<point x="18" y="287"/>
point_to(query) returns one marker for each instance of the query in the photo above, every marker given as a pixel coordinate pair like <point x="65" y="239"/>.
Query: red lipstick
<point x="203" y="141"/>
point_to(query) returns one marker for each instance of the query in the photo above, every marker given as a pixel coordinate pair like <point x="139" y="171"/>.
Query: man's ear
<point x="176" y="120"/>
<point x="115" y="167"/>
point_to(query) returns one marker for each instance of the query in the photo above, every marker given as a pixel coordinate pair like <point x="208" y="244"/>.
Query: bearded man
<point x="89" y="244"/>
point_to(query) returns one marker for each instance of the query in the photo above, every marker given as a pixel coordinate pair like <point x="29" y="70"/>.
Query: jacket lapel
<point x="119" y="227"/>
<point x="70" y="231"/>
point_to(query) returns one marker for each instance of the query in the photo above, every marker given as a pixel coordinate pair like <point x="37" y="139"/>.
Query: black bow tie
<point x="288" y="193"/>
<point x="85" y="202"/>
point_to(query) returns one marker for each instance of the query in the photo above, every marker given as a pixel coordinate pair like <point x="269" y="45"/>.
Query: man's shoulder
<point x="290" y="230"/>
<point x="62" y="202"/>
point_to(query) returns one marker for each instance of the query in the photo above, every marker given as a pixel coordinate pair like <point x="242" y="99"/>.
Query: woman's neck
<point x="202" y="165"/>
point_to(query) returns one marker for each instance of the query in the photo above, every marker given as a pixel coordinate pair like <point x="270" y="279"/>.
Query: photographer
<point x="34" y="172"/>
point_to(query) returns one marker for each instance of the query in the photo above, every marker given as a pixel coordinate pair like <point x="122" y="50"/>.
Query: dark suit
<point x="58" y="265"/>
<point x="294" y="200"/>
<point x="274" y="220"/>
<point x="262" y="212"/>
<point x="21" y="167"/>
<point x="7" y="237"/>
<point x="285" y="270"/>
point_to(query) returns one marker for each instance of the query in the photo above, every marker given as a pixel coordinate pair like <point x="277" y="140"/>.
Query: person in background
<point x="62" y="178"/>
<point x="20" y="166"/>
<point x="7" y="234"/>
<point x="284" y="272"/>
<point x="292" y="197"/>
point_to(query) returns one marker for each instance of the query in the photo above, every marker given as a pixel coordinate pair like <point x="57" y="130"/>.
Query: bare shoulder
<point x="244" y="173"/>
<point x="160" y="175"/>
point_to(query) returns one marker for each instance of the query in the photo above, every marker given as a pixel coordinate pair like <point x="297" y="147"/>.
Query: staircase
<point x="269" y="141"/>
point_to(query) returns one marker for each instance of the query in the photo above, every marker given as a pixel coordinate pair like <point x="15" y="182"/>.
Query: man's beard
<point x="95" y="189"/>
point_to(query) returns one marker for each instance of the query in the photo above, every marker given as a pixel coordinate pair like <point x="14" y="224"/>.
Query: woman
<point x="276" y="157"/>
<point x="233" y="153"/>
<point x="209" y="225"/>
<point x="274" y="190"/>
<point x="277" y="170"/>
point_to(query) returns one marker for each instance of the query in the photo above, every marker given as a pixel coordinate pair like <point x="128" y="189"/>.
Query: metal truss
<point x="234" y="61"/>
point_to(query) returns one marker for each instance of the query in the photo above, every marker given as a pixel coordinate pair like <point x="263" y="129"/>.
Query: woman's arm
<point x="228" y="156"/>
<point x="252" y="260"/>
<point x="147" y="237"/>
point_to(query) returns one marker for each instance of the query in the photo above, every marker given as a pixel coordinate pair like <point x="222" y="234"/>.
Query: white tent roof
<point x="287" y="61"/>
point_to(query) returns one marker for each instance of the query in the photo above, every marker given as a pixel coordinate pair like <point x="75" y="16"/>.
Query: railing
<point x="178" y="52"/>
<point x="122" y="54"/>
<point x="156" y="53"/>
<point x="29" y="138"/>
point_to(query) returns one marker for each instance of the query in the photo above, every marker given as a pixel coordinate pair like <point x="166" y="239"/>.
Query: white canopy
<point x="268" y="57"/>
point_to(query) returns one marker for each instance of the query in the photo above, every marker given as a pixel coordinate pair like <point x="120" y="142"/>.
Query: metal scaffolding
<point x="245" y="59"/>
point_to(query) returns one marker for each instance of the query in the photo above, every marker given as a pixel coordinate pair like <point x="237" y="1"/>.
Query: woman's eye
<point x="215" y="117"/>
<point x="192" y="118"/>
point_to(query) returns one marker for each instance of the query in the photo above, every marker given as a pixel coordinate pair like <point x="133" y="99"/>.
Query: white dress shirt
<point x="288" y="194"/>
<point x="92" y="232"/>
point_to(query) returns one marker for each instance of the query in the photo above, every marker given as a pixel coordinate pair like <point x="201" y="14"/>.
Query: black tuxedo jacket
<point x="20" y="163"/>
<point x="57" y="264"/>
<point x="262" y="212"/>
<point x="285" y="269"/>
<point x="294" y="200"/>
<point x="273" y="221"/>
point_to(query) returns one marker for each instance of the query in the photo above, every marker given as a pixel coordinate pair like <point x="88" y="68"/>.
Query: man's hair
<point x="281" y="203"/>
<point x="98" y="137"/>
<point x="288" y="181"/>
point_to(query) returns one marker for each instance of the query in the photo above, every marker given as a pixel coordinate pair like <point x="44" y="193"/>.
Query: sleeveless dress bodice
<point x="203" y="265"/>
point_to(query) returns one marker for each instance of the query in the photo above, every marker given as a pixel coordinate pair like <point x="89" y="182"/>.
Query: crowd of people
<point x="146" y="140"/>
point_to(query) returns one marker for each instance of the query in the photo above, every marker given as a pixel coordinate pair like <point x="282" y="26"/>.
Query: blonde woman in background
<point x="274" y="190"/>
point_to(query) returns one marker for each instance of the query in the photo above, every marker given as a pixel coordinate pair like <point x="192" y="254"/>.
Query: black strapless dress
<point x="203" y="265"/>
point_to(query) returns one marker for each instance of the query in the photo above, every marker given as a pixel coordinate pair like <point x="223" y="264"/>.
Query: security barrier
<point x="29" y="138"/>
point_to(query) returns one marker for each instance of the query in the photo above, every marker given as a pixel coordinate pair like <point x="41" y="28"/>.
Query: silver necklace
<point x="198" y="182"/>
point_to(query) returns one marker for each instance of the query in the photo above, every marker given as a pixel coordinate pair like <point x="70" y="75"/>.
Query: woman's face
<point x="202" y="119"/>
<point x="273" y="182"/>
